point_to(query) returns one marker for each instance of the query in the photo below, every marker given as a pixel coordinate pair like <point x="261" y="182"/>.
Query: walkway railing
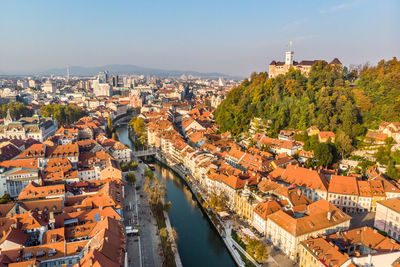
<point x="238" y="247"/>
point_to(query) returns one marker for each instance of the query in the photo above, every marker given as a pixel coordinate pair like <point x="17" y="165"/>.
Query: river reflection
<point x="198" y="243"/>
<point x="167" y="174"/>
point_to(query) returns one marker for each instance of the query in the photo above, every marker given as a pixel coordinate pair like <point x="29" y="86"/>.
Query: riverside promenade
<point x="225" y="234"/>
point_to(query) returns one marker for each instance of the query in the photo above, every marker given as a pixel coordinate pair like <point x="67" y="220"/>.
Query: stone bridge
<point x="121" y="121"/>
<point x="145" y="152"/>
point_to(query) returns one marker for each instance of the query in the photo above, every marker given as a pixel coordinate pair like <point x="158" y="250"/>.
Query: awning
<point x="249" y="233"/>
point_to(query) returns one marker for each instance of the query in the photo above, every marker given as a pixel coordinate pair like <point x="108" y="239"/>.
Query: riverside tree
<point x="155" y="190"/>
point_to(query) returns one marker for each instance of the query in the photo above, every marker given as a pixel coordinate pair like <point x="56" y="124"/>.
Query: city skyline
<point x="230" y="37"/>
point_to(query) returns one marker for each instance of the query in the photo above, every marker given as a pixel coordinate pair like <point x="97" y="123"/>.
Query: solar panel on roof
<point x="96" y="217"/>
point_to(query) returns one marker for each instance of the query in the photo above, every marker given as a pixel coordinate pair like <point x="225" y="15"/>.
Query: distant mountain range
<point x="118" y="69"/>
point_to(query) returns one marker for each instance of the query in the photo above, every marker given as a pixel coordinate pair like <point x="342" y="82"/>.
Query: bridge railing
<point x="145" y="152"/>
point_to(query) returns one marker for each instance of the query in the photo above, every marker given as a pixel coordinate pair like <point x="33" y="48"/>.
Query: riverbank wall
<point x="181" y="174"/>
<point x="174" y="246"/>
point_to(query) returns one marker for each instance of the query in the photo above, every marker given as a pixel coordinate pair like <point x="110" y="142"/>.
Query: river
<point x="198" y="243"/>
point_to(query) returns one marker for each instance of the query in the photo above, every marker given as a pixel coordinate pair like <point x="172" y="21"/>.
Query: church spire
<point x="8" y="118"/>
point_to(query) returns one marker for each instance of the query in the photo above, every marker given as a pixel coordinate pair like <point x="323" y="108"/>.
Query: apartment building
<point x="387" y="217"/>
<point x="286" y="230"/>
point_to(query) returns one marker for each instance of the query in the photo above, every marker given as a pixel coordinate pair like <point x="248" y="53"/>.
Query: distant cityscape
<point x="80" y="159"/>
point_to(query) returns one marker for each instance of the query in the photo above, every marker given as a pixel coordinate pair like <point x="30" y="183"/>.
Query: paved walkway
<point x="143" y="250"/>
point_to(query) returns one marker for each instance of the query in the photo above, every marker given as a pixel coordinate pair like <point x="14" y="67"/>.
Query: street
<point x="143" y="250"/>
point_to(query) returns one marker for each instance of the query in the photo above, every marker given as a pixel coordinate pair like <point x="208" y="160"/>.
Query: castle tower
<point x="289" y="58"/>
<point x="289" y="55"/>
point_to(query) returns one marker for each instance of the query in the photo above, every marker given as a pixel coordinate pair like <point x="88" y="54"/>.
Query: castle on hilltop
<point x="277" y="67"/>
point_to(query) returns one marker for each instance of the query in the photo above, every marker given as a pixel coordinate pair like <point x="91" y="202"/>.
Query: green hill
<point x="327" y="98"/>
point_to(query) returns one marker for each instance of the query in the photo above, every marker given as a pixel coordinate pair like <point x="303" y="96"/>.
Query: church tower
<point x="8" y="118"/>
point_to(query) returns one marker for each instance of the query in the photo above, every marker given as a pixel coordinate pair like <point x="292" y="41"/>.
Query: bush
<point x="133" y="165"/>
<point x="131" y="177"/>
<point x="124" y="167"/>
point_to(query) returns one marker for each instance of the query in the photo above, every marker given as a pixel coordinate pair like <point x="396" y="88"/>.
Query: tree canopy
<point x="64" y="115"/>
<point x="17" y="110"/>
<point x="139" y="127"/>
<point x="379" y="91"/>
<point x="156" y="191"/>
<point x="131" y="177"/>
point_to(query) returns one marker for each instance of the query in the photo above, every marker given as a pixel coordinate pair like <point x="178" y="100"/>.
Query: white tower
<point x="289" y="55"/>
<point x="221" y="82"/>
<point x="289" y="58"/>
<point x="67" y="72"/>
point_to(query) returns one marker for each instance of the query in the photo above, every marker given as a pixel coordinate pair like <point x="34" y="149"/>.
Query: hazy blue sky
<point x="234" y="37"/>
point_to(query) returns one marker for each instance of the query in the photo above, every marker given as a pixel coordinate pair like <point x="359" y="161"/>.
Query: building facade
<point x="35" y="127"/>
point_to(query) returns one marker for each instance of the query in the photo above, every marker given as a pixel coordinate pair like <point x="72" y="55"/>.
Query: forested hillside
<point x="328" y="98"/>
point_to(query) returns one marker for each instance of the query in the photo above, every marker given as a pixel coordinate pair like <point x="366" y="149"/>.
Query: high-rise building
<point x="100" y="86"/>
<point x="49" y="87"/>
<point x="22" y="84"/>
<point x="67" y="72"/>
<point x="128" y="82"/>
<point x="115" y="80"/>
<point x="103" y="76"/>
<point x="33" y="83"/>
<point x="101" y="89"/>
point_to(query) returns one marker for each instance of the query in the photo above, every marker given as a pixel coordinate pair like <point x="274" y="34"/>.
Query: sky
<point x="228" y="36"/>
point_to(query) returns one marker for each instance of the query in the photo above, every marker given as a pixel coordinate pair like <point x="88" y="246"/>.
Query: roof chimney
<point x="329" y="215"/>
